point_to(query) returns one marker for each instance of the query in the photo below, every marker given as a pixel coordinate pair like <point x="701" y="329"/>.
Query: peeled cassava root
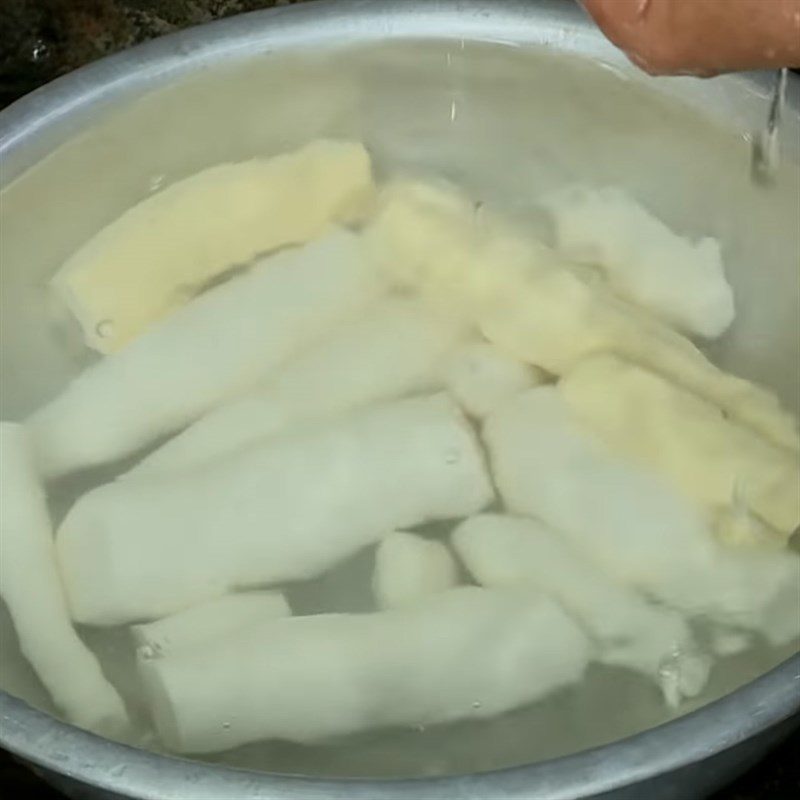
<point x="688" y="440"/>
<point x="409" y="568"/>
<point x="630" y="521"/>
<point x="209" y="622"/>
<point x="504" y="551"/>
<point x="527" y="300"/>
<point x="284" y="509"/>
<point x="480" y="377"/>
<point x="31" y="588"/>
<point x="151" y="260"/>
<point x="393" y="349"/>
<point x="468" y="653"/>
<point x="681" y="281"/>
<point x="219" y="345"/>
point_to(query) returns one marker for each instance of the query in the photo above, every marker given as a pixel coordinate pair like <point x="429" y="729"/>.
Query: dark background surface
<point x="42" y="39"/>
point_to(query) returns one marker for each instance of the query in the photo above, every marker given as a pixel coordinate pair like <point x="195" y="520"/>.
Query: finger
<point x="702" y="36"/>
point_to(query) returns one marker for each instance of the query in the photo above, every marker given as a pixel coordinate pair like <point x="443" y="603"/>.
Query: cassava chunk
<point x="209" y="622"/>
<point x="149" y="262"/>
<point x="480" y="377"/>
<point x="504" y="551"/>
<point x="468" y="653"/>
<point x="712" y="459"/>
<point x="393" y="349"/>
<point x="284" y="509"/>
<point x="679" y="280"/>
<point x="408" y="568"/>
<point x="530" y="303"/>
<point x="630" y="521"/>
<point x="219" y="345"/>
<point x="31" y="588"/>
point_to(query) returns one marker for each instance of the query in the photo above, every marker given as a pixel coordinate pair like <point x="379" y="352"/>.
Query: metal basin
<point x="509" y="99"/>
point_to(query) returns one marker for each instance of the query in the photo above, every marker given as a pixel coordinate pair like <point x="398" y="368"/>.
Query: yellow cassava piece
<point x="712" y="459"/>
<point x="530" y="303"/>
<point x="159" y="253"/>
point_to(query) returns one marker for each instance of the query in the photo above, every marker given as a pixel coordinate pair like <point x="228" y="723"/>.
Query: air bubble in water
<point x="156" y="182"/>
<point x="105" y="329"/>
<point x="146" y="653"/>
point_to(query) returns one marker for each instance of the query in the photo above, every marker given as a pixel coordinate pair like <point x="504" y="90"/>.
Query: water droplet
<point x="666" y="671"/>
<point x="453" y="111"/>
<point x="39" y="51"/>
<point x="420" y="729"/>
<point x="226" y="726"/>
<point x="156" y="182"/>
<point x="765" y="156"/>
<point x="476" y="704"/>
<point x="669" y="681"/>
<point x="105" y="328"/>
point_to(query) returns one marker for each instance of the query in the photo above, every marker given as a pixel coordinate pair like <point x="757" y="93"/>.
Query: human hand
<point x="702" y="37"/>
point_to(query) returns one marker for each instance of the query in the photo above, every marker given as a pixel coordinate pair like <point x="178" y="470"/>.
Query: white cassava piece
<point x="468" y="653"/>
<point x="679" y="280"/>
<point x="713" y="459"/>
<point x="392" y="350"/>
<point x="284" y="509"/>
<point x="210" y="621"/>
<point x="527" y="300"/>
<point x="31" y="588"/>
<point x="148" y="262"/>
<point x="630" y="520"/>
<point x="481" y="377"/>
<point x="503" y="551"/>
<point x="219" y="345"/>
<point x="409" y="568"/>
